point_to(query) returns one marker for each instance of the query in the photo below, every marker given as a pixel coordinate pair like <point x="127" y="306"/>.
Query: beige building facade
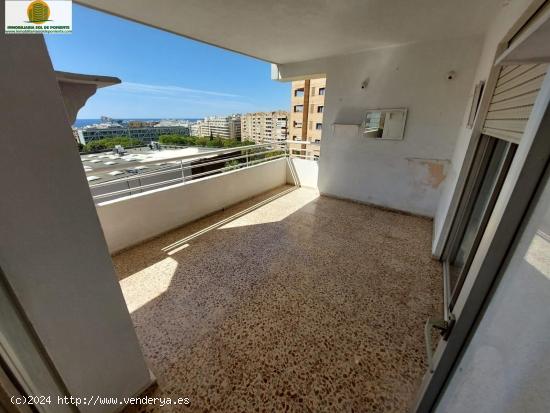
<point x="307" y="104"/>
<point x="225" y="127"/>
<point x="265" y="127"/>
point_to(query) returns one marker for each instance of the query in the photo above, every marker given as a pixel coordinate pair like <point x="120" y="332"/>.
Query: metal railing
<point x="187" y="168"/>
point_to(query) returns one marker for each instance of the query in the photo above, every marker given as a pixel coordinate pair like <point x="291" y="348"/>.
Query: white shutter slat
<point x="507" y="135"/>
<point x="535" y="72"/>
<point x="523" y="100"/>
<point x="512" y="125"/>
<point x="522" y="112"/>
<point x="518" y="70"/>
<point x="516" y="90"/>
<point x="530" y="86"/>
<point x="508" y="69"/>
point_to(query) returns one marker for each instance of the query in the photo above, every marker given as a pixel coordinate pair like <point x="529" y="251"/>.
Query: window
<point x="299" y="92"/>
<point x="321" y="91"/>
<point x="320" y="109"/>
<point x="298" y="108"/>
<point x="297" y="124"/>
<point x="318" y="126"/>
<point x="313" y="91"/>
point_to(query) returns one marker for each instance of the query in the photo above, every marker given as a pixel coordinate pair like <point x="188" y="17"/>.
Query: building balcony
<point x="286" y="301"/>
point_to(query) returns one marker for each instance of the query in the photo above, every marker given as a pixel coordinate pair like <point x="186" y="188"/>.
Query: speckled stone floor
<point x="303" y="304"/>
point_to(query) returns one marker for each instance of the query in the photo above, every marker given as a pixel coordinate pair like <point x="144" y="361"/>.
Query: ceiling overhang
<point x="288" y="31"/>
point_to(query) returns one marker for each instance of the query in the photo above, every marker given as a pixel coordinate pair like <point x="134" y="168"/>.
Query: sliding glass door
<point x="491" y="163"/>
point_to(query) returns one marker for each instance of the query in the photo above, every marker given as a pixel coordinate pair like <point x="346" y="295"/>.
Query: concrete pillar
<point x="52" y="248"/>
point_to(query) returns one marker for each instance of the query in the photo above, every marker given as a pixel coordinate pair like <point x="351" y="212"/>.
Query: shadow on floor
<point x="304" y="303"/>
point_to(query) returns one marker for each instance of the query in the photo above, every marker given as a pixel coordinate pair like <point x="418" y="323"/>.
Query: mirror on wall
<point x="387" y="124"/>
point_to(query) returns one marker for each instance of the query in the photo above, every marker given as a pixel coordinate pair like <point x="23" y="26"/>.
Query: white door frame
<point x="520" y="186"/>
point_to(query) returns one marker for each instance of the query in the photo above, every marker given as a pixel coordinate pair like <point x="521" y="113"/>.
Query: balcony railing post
<point x="182" y="171"/>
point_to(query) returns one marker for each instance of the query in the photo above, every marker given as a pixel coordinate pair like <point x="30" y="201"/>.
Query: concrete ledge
<point x="131" y="220"/>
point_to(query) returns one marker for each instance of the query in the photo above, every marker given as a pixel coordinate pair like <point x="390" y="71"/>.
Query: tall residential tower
<point x="265" y="127"/>
<point x="307" y="103"/>
<point x="225" y="127"/>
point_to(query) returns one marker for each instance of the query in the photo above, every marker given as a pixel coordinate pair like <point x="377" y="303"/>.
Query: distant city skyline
<point x="163" y="75"/>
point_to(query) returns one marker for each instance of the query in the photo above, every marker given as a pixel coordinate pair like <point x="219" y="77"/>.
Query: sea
<point x="80" y="123"/>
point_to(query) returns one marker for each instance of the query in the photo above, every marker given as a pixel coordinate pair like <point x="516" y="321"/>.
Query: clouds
<point x="167" y="91"/>
<point x="141" y="100"/>
<point x="165" y="76"/>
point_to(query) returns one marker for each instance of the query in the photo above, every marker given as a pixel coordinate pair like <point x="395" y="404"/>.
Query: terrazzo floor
<point x="289" y="302"/>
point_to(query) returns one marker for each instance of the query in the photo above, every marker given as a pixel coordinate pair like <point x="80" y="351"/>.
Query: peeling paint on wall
<point x="428" y="172"/>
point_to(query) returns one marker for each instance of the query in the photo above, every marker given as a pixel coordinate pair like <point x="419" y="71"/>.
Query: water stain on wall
<point x="428" y="172"/>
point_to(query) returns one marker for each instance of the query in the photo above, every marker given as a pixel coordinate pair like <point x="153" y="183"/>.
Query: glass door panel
<point x="490" y="167"/>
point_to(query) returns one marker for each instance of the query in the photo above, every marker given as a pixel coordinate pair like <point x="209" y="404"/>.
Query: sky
<point x="163" y="75"/>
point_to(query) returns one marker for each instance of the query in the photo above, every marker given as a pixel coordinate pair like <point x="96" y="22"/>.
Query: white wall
<point x="497" y="29"/>
<point x="130" y="220"/>
<point x="405" y="175"/>
<point x="506" y="367"/>
<point x="52" y="250"/>
<point x="302" y="172"/>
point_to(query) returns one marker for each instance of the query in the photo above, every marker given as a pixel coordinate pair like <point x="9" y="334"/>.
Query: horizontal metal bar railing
<point x="182" y="179"/>
<point x="181" y="166"/>
<point x="249" y="156"/>
<point x="195" y="156"/>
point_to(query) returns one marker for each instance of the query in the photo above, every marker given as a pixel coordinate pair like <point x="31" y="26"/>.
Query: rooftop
<point x="103" y="164"/>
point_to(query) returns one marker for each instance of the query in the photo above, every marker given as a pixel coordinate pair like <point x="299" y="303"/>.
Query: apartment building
<point x="199" y="128"/>
<point x="265" y="127"/>
<point x="225" y="127"/>
<point x="195" y="128"/>
<point x="307" y="104"/>
<point x="144" y="133"/>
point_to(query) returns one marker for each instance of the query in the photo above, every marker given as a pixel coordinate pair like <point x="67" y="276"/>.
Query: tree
<point x="205" y="141"/>
<point x="110" y="143"/>
<point x="232" y="164"/>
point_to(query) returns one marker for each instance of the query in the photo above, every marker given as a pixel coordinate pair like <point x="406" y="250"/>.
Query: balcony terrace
<point x="247" y="282"/>
<point x="289" y="301"/>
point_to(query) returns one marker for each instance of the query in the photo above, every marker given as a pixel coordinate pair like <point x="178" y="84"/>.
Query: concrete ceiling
<point x="286" y="31"/>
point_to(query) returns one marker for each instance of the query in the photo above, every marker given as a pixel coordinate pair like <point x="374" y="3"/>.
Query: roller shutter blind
<point x="513" y="99"/>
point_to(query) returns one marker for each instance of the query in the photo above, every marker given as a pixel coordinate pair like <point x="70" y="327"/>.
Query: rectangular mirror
<point x="385" y="124"/>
